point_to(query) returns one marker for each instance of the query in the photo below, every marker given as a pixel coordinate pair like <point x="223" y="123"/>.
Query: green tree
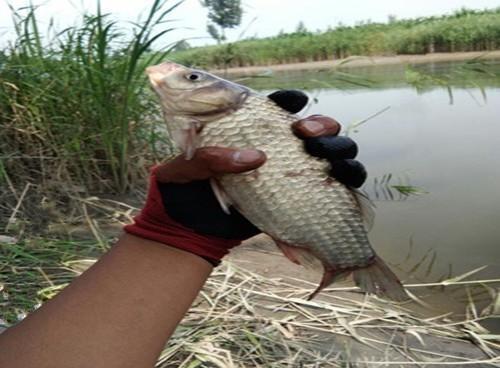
<point x="223" y="14"/>
<point x="301" y="29"/>
<point x="181" y="46"/>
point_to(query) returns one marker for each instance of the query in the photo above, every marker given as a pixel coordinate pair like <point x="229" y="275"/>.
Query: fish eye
<point x="194" y="76"/>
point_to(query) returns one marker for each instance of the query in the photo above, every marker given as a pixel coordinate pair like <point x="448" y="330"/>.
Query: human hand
<point x="182" y="211"/>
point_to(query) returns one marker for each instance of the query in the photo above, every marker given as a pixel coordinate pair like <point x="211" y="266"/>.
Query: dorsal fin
<point x="366" y="207"/>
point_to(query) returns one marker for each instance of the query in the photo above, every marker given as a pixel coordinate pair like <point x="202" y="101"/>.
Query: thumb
<point x="208" y="162"/>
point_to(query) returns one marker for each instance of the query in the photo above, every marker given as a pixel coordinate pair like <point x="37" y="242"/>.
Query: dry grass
<point x="242" y="319"/>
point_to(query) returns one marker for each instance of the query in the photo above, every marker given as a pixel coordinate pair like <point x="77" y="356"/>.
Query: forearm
<point x="119" y="313"/>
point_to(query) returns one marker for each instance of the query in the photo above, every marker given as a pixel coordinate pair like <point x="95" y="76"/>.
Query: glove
<point x="322" y="141"/>
<point x="182" y="211"/>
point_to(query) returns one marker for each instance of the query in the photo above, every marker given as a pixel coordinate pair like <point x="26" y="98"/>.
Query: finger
<point x="290" y="100"/>
<point x="331" y="147"/>
<point x="349" y="172"/>
<point x="315" y="126"/>
<point x="208" y="162"/>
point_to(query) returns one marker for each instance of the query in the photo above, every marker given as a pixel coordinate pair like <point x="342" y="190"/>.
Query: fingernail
<point x="246" y="156"/>
<point x="313" y="127"/>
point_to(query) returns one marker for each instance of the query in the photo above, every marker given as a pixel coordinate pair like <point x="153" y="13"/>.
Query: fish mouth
<point x="157" y="73"/>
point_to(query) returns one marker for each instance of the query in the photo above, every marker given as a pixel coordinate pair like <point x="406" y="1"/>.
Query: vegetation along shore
<point x="464" y="30"/>
<point x="364" y="61"/>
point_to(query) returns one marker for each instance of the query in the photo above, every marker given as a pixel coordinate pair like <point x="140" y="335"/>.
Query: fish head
<point x="186" y="92"/>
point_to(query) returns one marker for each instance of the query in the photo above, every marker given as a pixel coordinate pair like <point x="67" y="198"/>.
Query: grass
<point x="242" y="319"/>
<point x="464" y="30"/>
<point x="73" y="103"/>
<point x="34" y="270"/>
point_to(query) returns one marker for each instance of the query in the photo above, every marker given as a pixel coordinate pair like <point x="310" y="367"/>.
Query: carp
<point x="314" y="219"/>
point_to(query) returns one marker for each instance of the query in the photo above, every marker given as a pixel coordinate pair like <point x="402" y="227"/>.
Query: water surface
<point x="443" y="138"/>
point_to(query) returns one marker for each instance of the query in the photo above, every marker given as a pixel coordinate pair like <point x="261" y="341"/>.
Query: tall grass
<point x="73" y="104"/>
<point x="465" y="30"/>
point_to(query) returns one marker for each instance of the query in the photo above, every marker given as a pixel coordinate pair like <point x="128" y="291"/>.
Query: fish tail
<point x="377" y="278"/>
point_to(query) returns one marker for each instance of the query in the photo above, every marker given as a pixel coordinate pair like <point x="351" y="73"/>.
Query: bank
<point x="360" y="61"/>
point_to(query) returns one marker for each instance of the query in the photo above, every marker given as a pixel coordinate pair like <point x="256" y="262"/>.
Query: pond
<point x="440" y="142"/>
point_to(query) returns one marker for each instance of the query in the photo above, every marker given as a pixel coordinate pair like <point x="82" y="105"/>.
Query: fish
<point x="314" y="219"/>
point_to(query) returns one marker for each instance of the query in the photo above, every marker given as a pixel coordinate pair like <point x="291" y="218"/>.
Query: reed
<point x="464" y="30"/>
<point x="74" y="107"/>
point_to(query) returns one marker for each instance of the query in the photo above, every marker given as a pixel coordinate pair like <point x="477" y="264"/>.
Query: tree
<point x="391" y="19"/>
<point x="182" y="45"/>
<point x="214" y="32"/>
<point x="301" y="29"/>
<point x="223" y="14"/>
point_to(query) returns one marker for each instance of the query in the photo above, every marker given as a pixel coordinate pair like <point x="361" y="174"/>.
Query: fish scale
<point x="312" y="217"/>
<point x="291" y="198"/>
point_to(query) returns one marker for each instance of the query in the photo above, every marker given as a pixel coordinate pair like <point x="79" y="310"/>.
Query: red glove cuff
<point x="153" y="223"/>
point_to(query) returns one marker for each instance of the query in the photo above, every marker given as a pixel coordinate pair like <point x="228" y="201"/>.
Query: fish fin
<point x="288" y="251"/>
<point x="329" y="277"/>
<point x="366" y="207"/>
<point x="377" y="278"/>
<point x="222" y="197"/>
<point x="187" y="139"/>
<point x="298" y="255"/>
<point x="191" y="143"/>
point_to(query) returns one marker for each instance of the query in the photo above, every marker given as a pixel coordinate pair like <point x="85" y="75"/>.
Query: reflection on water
<point x="385" y="188"/>
<point x="451" y="151"/>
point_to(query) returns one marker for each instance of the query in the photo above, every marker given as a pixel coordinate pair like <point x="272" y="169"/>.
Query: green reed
<point x="464" y="30"/>
<point x="74" y="104"/>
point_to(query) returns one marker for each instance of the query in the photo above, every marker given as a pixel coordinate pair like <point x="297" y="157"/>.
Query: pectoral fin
<point x="223" y="199"/>
<point x="187" y="139"/>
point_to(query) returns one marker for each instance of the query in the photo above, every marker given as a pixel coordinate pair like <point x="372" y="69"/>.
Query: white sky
<point x="271" y="16"/>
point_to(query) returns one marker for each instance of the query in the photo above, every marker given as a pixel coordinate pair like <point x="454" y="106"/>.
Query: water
<point x="450" y="151"/>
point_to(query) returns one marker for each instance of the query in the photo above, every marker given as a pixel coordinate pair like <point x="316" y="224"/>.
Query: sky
<point x="261" y="17"/>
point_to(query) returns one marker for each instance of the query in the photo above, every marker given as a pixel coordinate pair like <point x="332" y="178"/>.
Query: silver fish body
<point x="291" y="197"/>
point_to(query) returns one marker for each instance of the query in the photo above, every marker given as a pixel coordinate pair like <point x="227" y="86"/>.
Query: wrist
<point x="172" y="234"/>
<point x="147" y="250"/>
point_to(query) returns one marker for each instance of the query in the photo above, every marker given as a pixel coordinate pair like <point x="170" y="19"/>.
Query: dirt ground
<point x="358" y="61"/>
